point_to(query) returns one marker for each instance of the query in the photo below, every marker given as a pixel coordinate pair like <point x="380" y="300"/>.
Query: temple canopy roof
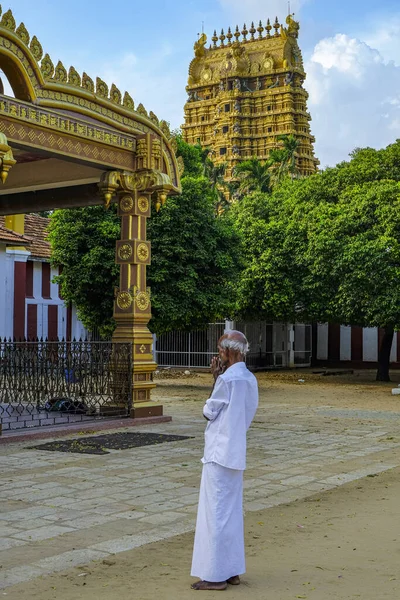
<point x="65" y="129"/>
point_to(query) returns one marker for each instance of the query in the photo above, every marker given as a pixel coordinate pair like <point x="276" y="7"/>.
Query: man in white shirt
<point x="218" y="554"/>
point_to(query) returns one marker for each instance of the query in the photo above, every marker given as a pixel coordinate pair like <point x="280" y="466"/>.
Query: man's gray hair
<point x="235" y="340"/>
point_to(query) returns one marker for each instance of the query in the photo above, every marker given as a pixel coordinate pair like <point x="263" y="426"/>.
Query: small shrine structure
<point x="68" y="141"/>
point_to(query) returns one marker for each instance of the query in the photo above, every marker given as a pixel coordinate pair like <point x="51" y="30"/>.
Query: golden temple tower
<point x="245" y="92"/>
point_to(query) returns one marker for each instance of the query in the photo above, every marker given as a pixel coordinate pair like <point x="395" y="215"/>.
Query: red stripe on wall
<point x="69" y="322"/>
<point x="45" y="280"/>
<point x="52" y="322"/>
<point x="29" y="279"/>
<point x="19" y="300"/>
<point x="356" y="343"/>
<point x="333" y="341"/>
<point x="32" y="321"/>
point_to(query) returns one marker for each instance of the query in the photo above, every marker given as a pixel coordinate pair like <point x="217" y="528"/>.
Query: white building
<point x="30" y="303"/>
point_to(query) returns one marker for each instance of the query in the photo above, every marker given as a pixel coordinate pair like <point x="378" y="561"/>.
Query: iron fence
<point x="55" y="382"/>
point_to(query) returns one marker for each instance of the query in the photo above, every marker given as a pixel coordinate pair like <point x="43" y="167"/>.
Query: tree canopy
<point x="195" y="256"/>
<point x="327" y="247"/>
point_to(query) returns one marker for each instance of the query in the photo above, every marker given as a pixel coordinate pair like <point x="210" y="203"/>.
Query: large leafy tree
<point x="253" y="176"/>
<point x="327" y="247"/>
<point x="195" y="257"/>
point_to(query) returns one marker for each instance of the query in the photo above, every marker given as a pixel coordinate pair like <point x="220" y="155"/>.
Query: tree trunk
<point x="384" y="354"/>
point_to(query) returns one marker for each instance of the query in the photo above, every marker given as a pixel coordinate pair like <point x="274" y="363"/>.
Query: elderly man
<point x="218" y="554"/>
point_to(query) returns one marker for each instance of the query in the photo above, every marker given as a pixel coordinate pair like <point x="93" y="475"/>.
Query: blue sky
<point x="351" y="51"/>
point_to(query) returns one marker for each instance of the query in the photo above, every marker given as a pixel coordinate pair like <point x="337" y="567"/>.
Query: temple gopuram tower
<point x="245" y="91"/>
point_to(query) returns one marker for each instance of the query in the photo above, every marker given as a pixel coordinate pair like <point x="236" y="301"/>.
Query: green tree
<point x="326" y="247"/>
<point x="195" y="258"/>
<point x="283" y="159"/>
<point x="253" y="176"/>
<point x="83" y="244"/>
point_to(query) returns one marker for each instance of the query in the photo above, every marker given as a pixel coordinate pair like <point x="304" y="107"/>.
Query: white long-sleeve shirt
<point x="230" y="410"/>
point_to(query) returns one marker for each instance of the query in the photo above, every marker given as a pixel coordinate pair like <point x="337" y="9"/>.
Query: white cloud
<point x="354" y="97"/>
<point x="386" y="39"/>
<point x="254" y="10"/>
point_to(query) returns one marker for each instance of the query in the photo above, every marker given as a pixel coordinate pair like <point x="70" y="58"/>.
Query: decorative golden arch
<point x="35" y="79"/>
<point x="102" y="149"/>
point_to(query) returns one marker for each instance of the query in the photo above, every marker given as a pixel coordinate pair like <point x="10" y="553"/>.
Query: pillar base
<point x="146" y="409"/>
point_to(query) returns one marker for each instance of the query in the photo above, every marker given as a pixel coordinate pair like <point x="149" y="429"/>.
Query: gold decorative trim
<point x="65" y="145"/>
<point x="125" y="252"/>
<point x="142" y="252"/>
<point x="124" y="300"/>
<point x="143" y="204"/>
<point x="126" y="203"/>
<point x="142" y="300"/>
<point x="23" y="111"/>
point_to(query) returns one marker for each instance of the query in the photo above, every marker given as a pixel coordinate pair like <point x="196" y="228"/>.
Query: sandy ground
<point x="340" y="544"/>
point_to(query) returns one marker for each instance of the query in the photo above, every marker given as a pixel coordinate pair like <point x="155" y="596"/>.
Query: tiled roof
<point x="9" y="237"/>
<point x="36" y="231"/>
<point x="34" y="238"/>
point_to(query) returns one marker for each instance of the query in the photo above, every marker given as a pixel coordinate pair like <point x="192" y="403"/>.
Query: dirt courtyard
<point x="343" y="543"/>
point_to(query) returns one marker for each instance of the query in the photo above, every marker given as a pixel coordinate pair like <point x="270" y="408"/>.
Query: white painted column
<point x="229" y="325"/>
<point x="322" y="341"/>
<point x="290" y="338"/>
<point x="370" y="344"/>
<point x="345" y="342"/>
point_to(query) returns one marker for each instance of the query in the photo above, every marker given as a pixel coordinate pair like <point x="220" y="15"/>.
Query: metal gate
<point x="270" y="346"/>
<point x="190" y="349"/>
<point x="51" y="383"/>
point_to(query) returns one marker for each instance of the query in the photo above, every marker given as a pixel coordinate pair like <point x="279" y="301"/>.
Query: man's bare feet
<point x="209" y="585"/>
<point x="235" y="580"/>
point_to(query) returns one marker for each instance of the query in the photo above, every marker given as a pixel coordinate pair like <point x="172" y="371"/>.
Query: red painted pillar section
<point x="19" y="299"/>
<point x="356" y="343"/>
<point x="52" y="322"/>
<point x="32" y="321"/>
<point x="69" y="322"/>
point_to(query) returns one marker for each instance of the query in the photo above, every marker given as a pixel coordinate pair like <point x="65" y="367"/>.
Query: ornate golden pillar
<point x="132" y="306"/>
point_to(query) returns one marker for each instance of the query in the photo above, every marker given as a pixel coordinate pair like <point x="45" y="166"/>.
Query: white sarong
<point x="219" y="539"/>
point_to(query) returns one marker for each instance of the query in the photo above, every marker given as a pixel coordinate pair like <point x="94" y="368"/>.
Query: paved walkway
<point x="60" y="510"/>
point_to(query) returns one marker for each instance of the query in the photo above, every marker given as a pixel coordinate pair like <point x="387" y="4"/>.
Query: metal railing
<point x="49" y="383"/>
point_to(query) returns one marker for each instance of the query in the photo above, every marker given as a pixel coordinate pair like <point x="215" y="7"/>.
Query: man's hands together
<point x="216" y="367"/>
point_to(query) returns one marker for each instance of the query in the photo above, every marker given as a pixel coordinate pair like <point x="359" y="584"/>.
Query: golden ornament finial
<point x="8" y="21"/>
<point x="128" y="103"/>
<point x="268" y="28"/>
<point x="101" y="88"/>
<point x="244" y="32"/>
<point x="141" y="110"/>
<point x="237" y="33"/>
<point x="154" y="118"/>
<point x="115" y="95"/>
<point x="215" y="39"/>
<point x="36" y="48"/>
<point x="276" y="27"/>
<point x="47" y="67"/>
<point x="229" y="36"/>
<point x="73" y="77"/>
<point x="87" y="83"/>
<point x="222" y="38"/>
<point x="23" y="34"/>
<point x="60" y="73"/>
<point x="260" y="30"/>
<point x="252" y="31"/>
